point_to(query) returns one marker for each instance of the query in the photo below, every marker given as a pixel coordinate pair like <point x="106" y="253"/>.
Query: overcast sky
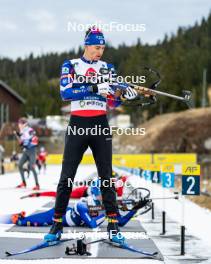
<point x="42" y="26"/>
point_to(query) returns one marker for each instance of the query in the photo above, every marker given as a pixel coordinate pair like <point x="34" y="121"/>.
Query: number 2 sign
<point x="191" y="180"/>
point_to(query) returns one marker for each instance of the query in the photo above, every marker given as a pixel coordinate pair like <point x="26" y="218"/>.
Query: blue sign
<point x="168" y="179"/>
<point x="146" y="174"/>
<point x="190" y="185"/>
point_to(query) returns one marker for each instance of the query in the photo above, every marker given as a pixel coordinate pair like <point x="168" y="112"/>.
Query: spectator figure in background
<point x="41" y="159"/>
<point x="28" y="140"/>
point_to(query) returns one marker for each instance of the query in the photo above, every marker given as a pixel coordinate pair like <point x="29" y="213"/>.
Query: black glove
<point x="142" y="203"/>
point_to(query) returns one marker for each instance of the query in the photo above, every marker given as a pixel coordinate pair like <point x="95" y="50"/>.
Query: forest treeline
<point x="179" y="58"/>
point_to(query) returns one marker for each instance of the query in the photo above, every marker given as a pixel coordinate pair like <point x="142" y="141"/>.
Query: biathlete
<point x="78" y="215"/>
<point x="28" y="141"/>
<point x="89" y="104"/>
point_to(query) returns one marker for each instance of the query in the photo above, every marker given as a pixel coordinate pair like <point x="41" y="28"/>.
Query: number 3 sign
<point x="191" y="180"/>
<point x="168" y="176"/>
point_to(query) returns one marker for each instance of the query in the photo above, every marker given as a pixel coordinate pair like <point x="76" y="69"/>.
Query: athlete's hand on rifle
<point x="142" y="203"/>
<point x="129" y="94"/>
<point x="144" y="91"/>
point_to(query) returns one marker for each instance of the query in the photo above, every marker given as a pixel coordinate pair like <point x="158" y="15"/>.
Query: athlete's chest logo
<point x="91" y="72"/>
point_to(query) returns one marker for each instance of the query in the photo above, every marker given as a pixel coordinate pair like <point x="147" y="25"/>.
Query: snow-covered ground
<point x="197" y="220"/>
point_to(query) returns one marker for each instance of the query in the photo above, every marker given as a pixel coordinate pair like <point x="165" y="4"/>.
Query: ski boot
<point x="114" y="231"/>
<point x="22" y="185"/>
<point x="16" y="217"/>
<point x="55" y="231"/>
<point x="36" y="188"/>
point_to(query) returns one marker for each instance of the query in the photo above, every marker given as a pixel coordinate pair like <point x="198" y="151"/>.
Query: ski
<point x="46" y="244"/>
<point x="131" y="248"/>
<point x="81" y="248"/>
<point x="41" y="245"/>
